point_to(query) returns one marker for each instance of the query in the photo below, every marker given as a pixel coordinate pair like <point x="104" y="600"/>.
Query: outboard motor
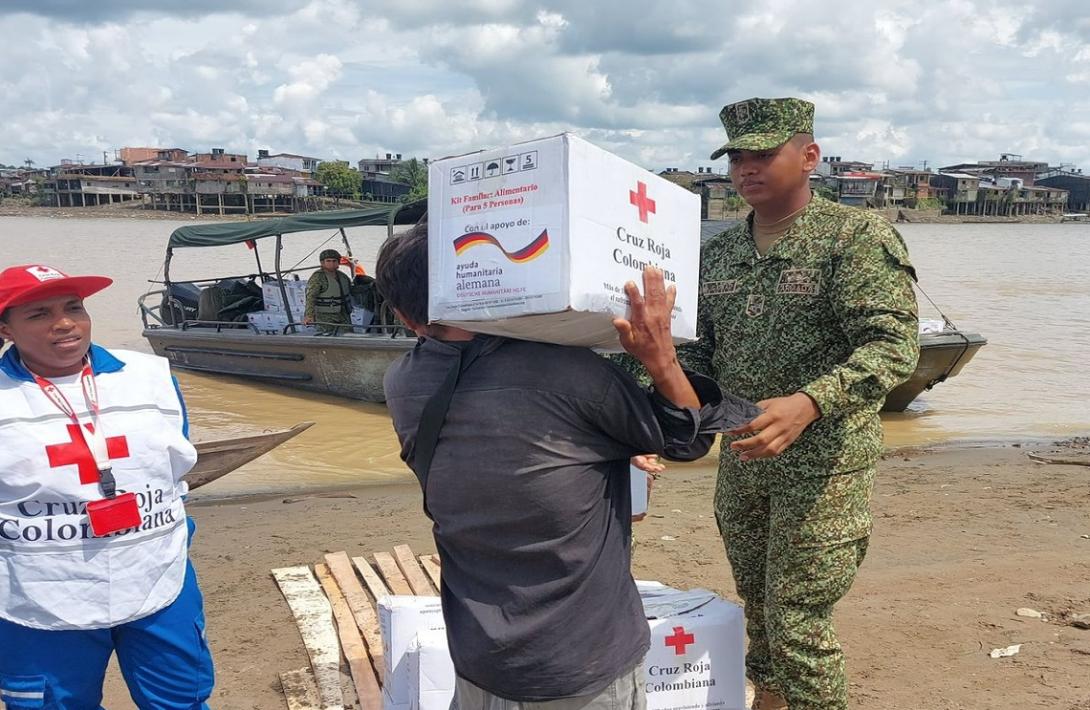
<point x="179" y="303"/>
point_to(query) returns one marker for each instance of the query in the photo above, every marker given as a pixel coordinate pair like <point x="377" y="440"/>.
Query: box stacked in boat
<point x="274" y="318"/>
<point x="536" y="241"/>
<point x="274" y="299"/>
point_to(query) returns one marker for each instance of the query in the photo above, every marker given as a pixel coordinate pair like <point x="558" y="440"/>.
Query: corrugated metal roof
<point x="710" y="227"/>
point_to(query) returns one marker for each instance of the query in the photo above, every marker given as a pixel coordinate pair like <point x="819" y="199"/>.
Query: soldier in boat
<point x="328" y="303"/>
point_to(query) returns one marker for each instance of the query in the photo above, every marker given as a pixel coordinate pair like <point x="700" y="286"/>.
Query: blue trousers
<point x="164" y="658"/>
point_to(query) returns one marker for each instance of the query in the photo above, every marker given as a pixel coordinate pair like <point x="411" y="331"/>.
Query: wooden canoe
<point x="219" y="457"/>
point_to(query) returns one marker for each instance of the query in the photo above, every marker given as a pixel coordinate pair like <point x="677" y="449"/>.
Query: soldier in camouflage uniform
<point x="328" y="303"/>
<point x="817" y="323"/>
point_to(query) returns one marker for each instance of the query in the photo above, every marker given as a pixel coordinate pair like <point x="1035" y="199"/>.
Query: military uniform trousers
<point x="795" y="540"/>
<point x="327" y="323"/>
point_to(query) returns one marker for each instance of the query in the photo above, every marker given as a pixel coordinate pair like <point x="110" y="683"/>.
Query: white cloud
<point x="893" y="80"/>
<point x="309" y="79"/>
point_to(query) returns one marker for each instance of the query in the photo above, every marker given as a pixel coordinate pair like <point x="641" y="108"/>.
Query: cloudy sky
<point x="904" y="82"/>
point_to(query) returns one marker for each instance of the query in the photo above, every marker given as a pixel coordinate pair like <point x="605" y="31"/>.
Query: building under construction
<point x="72" y="185"/>
<point x="171" y="179"/>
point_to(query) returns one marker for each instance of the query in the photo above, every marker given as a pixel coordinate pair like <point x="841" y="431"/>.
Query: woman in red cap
<point x="93" y="533"/>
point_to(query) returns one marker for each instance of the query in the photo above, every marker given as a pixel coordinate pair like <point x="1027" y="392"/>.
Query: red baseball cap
<point x="33" y="282"/>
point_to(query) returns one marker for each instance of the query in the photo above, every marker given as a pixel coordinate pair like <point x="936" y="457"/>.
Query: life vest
<point x="332" y="299"/>
<point x="357" y="267"/>
<point x="54" y="572"/>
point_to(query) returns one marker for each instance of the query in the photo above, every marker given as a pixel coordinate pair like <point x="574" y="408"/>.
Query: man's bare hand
<point x="645" y="334"/>
<point x="776" y="428"/>
<point x="649" y="463"/>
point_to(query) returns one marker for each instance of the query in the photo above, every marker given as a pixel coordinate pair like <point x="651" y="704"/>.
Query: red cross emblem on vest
<point x="643" y="203"/>
<point x="75" y="451"/>
<point x="680" y="640"/>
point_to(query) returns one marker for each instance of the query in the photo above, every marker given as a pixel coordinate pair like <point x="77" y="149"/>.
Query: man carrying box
<point x="528" y="487"/>
<point x="807" y="306"/>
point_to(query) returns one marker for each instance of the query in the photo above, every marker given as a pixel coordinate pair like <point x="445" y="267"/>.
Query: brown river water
<point x="1025" y="287"/>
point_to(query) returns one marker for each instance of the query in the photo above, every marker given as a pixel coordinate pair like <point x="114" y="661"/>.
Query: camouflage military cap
<point x="762" y="124"/>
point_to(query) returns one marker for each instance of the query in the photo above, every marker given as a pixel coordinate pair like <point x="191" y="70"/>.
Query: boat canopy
<point x="224" y="233"/>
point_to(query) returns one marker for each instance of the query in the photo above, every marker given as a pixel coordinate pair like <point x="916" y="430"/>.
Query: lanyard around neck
<point x="96" y="443"/>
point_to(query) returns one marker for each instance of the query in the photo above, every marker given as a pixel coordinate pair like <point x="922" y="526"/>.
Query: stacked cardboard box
<point x="697" y="654"/>
<point x="431" y="672"/>
<point x="696" y="659"/>
<point x="274" y="300"/>
<point x="401" y="620"/>
<point x="274" y="322"/>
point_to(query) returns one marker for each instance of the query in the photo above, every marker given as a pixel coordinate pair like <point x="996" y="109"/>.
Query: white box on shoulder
<point x="401" y="618"/>
<point x="536" y="241"/>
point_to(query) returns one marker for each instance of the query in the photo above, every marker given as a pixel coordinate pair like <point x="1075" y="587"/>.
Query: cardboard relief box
<point x="274" y="299"/>
<point x="431" y="672"/>
<point x="536" y="241"/>
<point x="401" y="619"/>
<point x="696" y="660"/>
<point x="697" y="653"/>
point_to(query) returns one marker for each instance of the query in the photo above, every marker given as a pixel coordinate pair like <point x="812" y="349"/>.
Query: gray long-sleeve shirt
<point x="529" y="495"/>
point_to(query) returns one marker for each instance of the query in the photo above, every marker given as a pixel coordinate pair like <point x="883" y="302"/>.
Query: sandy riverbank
<point x="963" y="538"/>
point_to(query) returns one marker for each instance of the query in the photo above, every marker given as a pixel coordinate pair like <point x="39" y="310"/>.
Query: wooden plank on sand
<point x="394" y="579"/>
<point x="359" y="665"/>
<point x="374" y="583"/>
<point x="314" y="616"/>
<point x="430" y="563"/>
<point x="415" y="576"/>
<point x="300" y="690"/>
<point x="363" y="611"/>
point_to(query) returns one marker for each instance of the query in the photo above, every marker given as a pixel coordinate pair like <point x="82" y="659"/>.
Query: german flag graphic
<point x="528" y="253"/>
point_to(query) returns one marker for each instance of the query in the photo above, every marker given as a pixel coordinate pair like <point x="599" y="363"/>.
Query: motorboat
<point x="250" y="326"/>
<point x="944" y="351"/>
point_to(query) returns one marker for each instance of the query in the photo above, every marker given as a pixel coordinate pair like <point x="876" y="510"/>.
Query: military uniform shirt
<point x="829" y="310"/>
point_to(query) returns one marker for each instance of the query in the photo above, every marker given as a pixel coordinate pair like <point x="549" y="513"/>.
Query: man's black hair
<point x="401" y="273"/>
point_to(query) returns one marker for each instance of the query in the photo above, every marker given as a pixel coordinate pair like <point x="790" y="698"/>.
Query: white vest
<point x="54" y="573"/>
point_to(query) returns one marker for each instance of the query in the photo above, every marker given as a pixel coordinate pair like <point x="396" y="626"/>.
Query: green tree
<point x="413" y="173"/>
<point x="339" y="179"/>
<point x="734" y="203"/>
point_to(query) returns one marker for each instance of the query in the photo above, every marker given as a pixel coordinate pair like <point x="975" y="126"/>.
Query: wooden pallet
<point x="335" y="605"/>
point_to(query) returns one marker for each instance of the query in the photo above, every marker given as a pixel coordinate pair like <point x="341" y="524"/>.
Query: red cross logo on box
<point x="643" y="203"/>
<point x="75" y="451"/>
<point x="680" y="640"/>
